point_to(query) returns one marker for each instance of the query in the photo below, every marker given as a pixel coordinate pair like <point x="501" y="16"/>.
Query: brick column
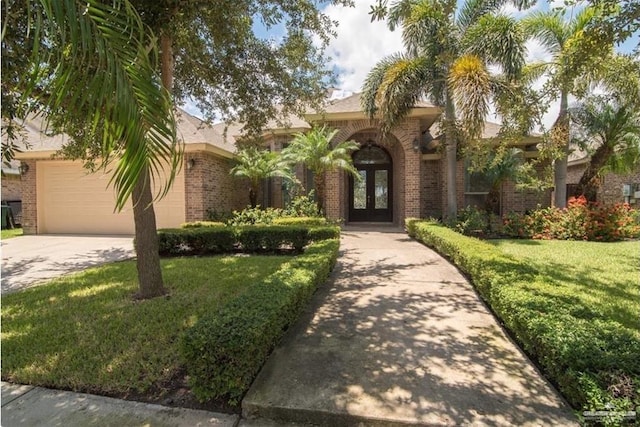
<point x="30" y="199"/>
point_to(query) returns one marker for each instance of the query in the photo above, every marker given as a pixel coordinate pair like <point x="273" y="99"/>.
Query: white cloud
<point x="359" y="44"/>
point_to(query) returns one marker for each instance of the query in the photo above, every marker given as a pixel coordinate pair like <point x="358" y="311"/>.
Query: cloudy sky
<point x="360" y="44"/>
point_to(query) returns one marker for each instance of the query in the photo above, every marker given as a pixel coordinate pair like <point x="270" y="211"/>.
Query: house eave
<point x="361" y="115"/>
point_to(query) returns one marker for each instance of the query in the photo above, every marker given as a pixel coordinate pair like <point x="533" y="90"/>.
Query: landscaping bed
<point x="572" y="305"/>
<point x="86" y="333"/>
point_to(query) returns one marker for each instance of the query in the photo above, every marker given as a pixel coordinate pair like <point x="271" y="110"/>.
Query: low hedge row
<point x="224" y="350"/>
<point x="218" y="239"/>
<point x="578" y="351"/>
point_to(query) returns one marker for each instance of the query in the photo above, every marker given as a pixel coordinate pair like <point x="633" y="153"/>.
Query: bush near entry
<point x="580" y="220"/>
<point x="592" y="359"/>
<point x="215" y="238"/>
<point x="225" y="349"/>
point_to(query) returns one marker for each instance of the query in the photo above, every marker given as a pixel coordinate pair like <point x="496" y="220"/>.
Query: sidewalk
<point x="400" y="338"/>
<point x="35" y="406"/>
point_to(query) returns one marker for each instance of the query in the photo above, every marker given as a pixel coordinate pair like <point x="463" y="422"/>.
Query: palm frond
<point x="472" y="10"/>
<point x="399" y="11"/>
<point x="470" y="84"/>
<point x="101" y="68"/>
<point x="549" y="28"/>
<point x="498" y="39"/>
<point x="404" y="83"/>
<point x="427" y="30"/>
<point x="373" y="81"/>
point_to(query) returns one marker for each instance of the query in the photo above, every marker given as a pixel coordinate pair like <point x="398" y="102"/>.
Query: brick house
<point x="614" y="188"/>
<point x="403" y="175"/>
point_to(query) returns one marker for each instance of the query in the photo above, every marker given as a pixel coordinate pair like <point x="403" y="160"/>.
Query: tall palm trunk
<point x="561" y="131"/>
<point x="150" y="280"/>
<point x="588" y="185"/>
<point x="319" y="184"/>
<point x="148" y="258"/>
<point x="451" y="153"/>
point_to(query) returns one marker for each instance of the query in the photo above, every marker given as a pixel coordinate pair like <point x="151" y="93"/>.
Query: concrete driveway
<point x="31" y="260"/>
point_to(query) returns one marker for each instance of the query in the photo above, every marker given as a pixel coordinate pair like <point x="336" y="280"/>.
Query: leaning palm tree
<point x="257" y="165"/>
<point x="610" y="134"/>
<point x="315" y="150"/>
<point x="93" y="67"/>
<point x="447" y="60"/>
<point x="561" y="38"/>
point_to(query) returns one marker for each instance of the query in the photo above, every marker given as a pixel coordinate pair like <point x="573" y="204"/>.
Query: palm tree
<point x="315" y="150"/>
<point x="447" y="60"/>
<point x="257" y="165"/>
<point x="501" y="166"/>
<point x="560" y="37"/>
<point x="610" y="133"/>
<point x="93" y="66"/>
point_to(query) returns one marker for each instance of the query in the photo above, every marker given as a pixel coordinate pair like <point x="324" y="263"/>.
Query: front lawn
<point x="574" y="307"/>
<point x="86" y="333"/>
<point x="8" y="233"/>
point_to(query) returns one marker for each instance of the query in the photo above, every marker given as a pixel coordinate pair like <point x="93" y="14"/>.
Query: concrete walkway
<point x="34" y="406"/>
<point x="399" y="337"/>
<point x="31" y="260"/>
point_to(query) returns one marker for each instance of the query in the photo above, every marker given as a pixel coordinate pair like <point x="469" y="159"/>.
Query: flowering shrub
<point x="580" y="220"/>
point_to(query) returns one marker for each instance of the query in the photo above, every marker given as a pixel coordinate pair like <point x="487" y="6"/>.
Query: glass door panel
<point x="360" y="191"/>
<point x="381" y="188"/>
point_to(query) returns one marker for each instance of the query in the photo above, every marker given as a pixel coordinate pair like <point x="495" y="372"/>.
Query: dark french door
<point x="370" y="197"/>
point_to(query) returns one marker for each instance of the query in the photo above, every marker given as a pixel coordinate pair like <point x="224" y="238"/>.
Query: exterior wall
<point x="431" y="189"/>
<point x="209" y="186"/>
<point x="407" y="165"/>
<point x="30" y="199"/>
<point x="11" y="187"/>
<point x="610" y="191"/>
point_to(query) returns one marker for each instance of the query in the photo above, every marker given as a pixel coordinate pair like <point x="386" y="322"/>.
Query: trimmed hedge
<point x="300" y="220"/>
<point x="218" y="239"/>
<point x="198" y="224"/>
<point x="577" y="350"/>
<point x="198" y="240"/>
<point x="270" y="238"/>
<point x="224" y="350"/>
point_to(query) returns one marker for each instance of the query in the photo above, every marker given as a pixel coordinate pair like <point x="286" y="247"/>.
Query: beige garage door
<point x="72" y="201"/>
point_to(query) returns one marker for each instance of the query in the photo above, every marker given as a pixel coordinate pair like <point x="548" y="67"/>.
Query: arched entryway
<point x="370" y="197"/>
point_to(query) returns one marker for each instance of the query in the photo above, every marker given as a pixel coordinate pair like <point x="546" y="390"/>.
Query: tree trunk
<point x="452" y="162"/>
<point x="561" y="131"/>
<point x="492" y="202"/>
<point x="319" y="184"/>
<point x="589" y="183"/>
<point x="253" y="196"/>
<point x="147" y="250"/>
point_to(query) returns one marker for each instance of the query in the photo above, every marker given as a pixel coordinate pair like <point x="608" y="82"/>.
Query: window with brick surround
<point x="476" y="187"/>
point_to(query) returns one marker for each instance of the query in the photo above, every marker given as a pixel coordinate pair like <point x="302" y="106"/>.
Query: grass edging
<point x="224" y="350"/>
<point x="584" y="354"/>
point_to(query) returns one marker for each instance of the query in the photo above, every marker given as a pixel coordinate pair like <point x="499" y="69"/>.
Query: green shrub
<point x="580" y="220"/>
<point x="302" y="206"/>
<point x="202" y="240"/>
<point x="324" y="232"/>
<point x="470" y="221"/>
<point x="577" y="348"/>
<point x="255" y="216"/>
<point x="198" y="224"/>
<point x="225" y="349"/>
<point x="261" y="238"/>
<point x="218" y="216"/>
<point x="302" y="220"/>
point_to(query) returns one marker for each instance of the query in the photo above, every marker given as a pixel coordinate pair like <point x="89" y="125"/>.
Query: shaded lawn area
<point x="86" y="333"/>
<point x="594" y="277"/>
<point x="8" y="233"/>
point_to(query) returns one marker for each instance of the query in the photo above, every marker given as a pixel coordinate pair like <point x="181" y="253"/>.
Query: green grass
<point x="86" y="333"/>
<point x="10" y="233"/>
<point x="599" y="277"/>
<point x="573" y="306"/>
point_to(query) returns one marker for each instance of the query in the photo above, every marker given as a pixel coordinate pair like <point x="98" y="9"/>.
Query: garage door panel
<point x="70" y="200"/>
